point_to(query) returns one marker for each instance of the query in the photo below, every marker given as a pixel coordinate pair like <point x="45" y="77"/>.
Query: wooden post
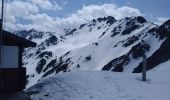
<point x="144" y="68"/>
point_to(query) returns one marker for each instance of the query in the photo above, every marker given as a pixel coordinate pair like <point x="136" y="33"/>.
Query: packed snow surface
<point x="105" y="85"/>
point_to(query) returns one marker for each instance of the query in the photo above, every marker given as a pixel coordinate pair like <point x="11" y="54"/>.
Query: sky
<point x="51" y="15"/>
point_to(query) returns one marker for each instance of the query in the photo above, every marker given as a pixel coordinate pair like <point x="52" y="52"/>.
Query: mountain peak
<point x="141" y="19"/>
<point x="166" y="24"/>
<point x="164" y="29"/>
<point x="138" y="19"/>
<point x="32" y="30"/>
<point x="106" y="18"/>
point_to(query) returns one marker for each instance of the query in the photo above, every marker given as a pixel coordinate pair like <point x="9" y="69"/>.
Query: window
<point x="9" y="57"/>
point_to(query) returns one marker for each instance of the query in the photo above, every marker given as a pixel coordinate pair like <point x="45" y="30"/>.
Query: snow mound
<point x="104" y="85"/>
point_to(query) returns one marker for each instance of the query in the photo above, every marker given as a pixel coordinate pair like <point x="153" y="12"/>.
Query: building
<point x="12" y="73"/>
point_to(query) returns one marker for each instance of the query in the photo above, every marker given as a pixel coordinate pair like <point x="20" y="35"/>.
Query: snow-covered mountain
<point x="101" y="44"/>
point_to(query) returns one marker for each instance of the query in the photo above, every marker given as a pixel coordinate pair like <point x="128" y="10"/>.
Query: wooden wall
<point x="12" y="80"/>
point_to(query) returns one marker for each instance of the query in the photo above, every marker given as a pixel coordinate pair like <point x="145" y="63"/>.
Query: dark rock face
<point x="164" y="29"/>
<point x="49" y="65"/>
<point x="99" y="28"/>
<point x="23" y="33"/>
<point x="40" y="65"/>
<point x="154" y="31"/>
<point x="119" y="63"/>
<point x="45" y="54"/>
<point x="81" y="26"/>
<point x="166" y="25"/>
<point x="94" y="22"/>
<point x="56" y="66"/>
<point x="102" y="34"/>
<point x="53" y="40"/>
<point x="56" y="69"/>
<point x="109" y="20"/>
<point x="139" y="50"/>
<point x="132" y="24"/>
<point x="160" y="56"/>
<point x="101" y="19"/>
<point x="96" y="43"/>
<point x="78" y="66"/>
<point x="30" y="34"/>
<point x="40" y="48"/>
<point x="66" y="53"/>
<point x="30" y="55"/>
<point x="88" y="58"/>
<point x="140" y="19"/>
<point x="129" y="29"/>
<point x="130" y="41"/>
<point x="116" y="31"/>
<point x="71" y="32"/>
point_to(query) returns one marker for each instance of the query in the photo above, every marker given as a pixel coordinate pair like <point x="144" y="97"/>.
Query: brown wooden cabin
<point x="12" y="74"/>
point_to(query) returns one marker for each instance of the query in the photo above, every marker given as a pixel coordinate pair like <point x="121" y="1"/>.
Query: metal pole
<point x="1" y="29"/>
<point x="144" y="68"/>
<point x="1" y="32"/>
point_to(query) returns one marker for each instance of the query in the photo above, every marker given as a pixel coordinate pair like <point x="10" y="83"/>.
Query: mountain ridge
<point x="101" y="44"/>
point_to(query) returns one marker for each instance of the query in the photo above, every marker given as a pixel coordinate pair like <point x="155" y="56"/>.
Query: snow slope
<point x="104" y="85"/>
<point x="101" y="44"/>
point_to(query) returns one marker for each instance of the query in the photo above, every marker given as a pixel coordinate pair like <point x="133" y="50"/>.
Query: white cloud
<point x="88" y="13"/>
<point x="20" y="9"/>
<point x="17" y="9"/>
<point x="45" y="22"/>
<point x="161" y="20"/>
<point x="47" y="4"/>
<point x="95" y="11"/>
